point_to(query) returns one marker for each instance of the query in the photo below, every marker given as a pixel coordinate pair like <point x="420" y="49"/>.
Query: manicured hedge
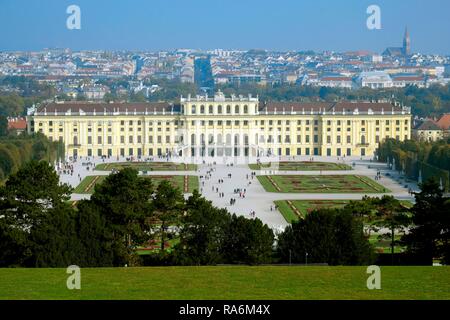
<point x="16" y="150"/>
<point x="432" y="159"/>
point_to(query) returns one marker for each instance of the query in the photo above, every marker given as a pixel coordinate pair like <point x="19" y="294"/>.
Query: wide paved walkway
<point x="256" y="198"/>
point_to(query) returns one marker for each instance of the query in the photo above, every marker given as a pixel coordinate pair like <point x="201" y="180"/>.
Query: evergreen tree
<point x="428" y="238"/>
<point x="247" y="241"/>
<point x="168" y="204"/>
<point x="27" y="200"/>
<point x="124" y="200"/>
<point x="202" y="233"/>
<point x="330" y="236"/>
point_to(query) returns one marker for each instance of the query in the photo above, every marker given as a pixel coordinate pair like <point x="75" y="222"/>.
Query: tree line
<point x="39" y="227"/>
<point x="418" y="158"/>
<point x="17" y="150"/>
<point x="28" y="92"/>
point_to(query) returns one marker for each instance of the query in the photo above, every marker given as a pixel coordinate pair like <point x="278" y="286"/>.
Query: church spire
<point x="406" y="43"/>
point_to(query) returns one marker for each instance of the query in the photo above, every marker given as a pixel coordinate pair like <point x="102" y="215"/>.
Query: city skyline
<point x="284" y="26"/>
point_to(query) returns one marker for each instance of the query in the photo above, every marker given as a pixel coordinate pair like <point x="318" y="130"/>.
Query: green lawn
<point x="147" y="166"/>
<point x="306" y="206"/>
<point x="383" y="244"/>
<point x="155" y="247"/>
<point x="87" y="185"/>
<point x="227" y="283"/>
<point x="302" y="166"/>
<point x="320" y="184"/>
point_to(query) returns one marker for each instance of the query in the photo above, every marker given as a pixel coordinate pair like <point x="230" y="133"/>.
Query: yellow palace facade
<point x="220" y="126"/>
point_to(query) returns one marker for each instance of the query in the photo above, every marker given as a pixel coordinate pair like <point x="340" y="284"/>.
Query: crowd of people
<point x="221" y="182"/>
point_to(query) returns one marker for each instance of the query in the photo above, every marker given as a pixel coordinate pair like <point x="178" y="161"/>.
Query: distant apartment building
<point x="444" y="124"/>
<point x="290" y="77"/>
<point x="427" y="130"/>
<point x="376" y="58"/>
<point x="401" y="81"/>
<point x="335" y="82"/>
<point x="374" y="80"/>
<point x="17" y="125"/>
<point x="94" y="92"/>
<point x="430" y="130"/>
<point x="187" y="71"/>
<point x="239" y="78"/>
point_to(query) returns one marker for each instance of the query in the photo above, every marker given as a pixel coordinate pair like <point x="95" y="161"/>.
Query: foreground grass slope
<point x="227" y="282"/>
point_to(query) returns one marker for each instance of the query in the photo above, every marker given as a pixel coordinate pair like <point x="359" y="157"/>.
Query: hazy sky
<point x="338" y="25"/>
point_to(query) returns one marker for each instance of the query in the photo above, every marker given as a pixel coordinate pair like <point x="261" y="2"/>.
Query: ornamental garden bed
<point x="187" y="184"/>
<point x="147" y="166"/>
<point x="321" y="184"/>
<point x="302" y="166"/>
